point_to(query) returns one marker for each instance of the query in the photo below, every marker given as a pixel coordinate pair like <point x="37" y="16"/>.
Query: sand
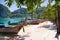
<point x="34" y="32"/>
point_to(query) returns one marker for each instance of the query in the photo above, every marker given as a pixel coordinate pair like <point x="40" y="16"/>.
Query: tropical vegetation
<point x="33" y="5"/>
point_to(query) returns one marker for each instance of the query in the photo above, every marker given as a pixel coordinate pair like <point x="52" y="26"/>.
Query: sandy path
<point x="32" y="32"/>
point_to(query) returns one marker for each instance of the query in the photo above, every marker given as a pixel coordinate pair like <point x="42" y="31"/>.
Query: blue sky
<point x="14" y="7"/>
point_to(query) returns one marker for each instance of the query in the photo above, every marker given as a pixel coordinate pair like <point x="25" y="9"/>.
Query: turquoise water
<point x="11" y="20"/>
<point x="16" y="20"/>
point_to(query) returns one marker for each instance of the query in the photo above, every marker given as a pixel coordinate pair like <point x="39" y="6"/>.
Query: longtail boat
<point x="34" y="22"/>
<point x="11" y="30"/>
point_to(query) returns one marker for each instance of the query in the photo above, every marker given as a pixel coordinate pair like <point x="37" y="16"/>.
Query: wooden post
<point x="25" y="23"/>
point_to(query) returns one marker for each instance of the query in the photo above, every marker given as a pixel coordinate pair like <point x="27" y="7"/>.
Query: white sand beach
<point x="42" y="31"/>
<point x="35" y="32"/>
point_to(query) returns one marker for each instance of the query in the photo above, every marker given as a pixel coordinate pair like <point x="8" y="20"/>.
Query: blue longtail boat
<point x="10" y="26"/>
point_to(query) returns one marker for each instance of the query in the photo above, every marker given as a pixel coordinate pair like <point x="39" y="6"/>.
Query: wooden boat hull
<point x="11" y="30"/>
<point x="33" y="22"/>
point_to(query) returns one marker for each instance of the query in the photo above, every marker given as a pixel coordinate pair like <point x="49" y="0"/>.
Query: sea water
<point x="4" y="21"/>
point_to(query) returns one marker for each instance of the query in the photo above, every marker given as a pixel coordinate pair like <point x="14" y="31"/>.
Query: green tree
<point x="31" y="4"/>
<point x="50" y="11"/>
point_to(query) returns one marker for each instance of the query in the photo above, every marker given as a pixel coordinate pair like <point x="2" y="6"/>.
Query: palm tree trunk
<point x="58" y="16"/>
<point x="58" y="20"/>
